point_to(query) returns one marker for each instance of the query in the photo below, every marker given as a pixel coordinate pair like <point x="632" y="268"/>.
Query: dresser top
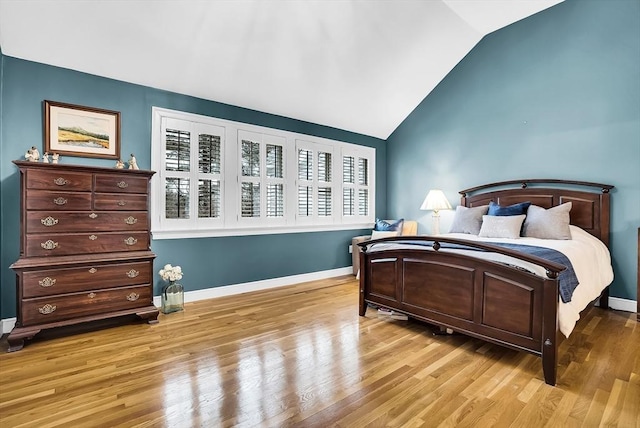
<point x="80" y="168"/>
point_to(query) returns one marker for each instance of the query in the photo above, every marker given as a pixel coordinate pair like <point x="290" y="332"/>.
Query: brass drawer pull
<point x="93" y="215"/>
<point x="131" y="220"/>
<point x="47" y="282"/>
<point x="133" y="297"/>
<point x="123" y="184"/>
<point x="49" y="221"/>
<point x="47" y="309"/>
<point x="122" y="203"/>
<point x="133" y="273"/>
<point x="91" y="295"/>
<point x="61" y="181"/>
<point x="130" y="240"/>
<point x="93" y="270"/>
<point x="49" y="245"/>
<point x="60" y="201"/>
<point x="93" y="237"/>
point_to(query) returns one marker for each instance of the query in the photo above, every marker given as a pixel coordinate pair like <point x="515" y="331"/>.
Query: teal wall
<point x="556" y="95"/>
<point x="207" y="262"/>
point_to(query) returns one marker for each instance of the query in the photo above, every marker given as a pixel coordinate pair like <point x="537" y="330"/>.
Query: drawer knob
<point x="93" y="237"/>
<point x="61" y="181"/>
<point x="60" y="201"/>
<point x="122" y="184"/>
<point x="93" y="270"/>
<point x="133" y="273"/>
<point x="49" y="221"/>
<point x="47" y="309"/>
<point x="130" y="240"/>
<point x="93" y="215"/>
<point x="131" y="220"/>
<point x="49" y="245"/>
<point x="132" y="297"/>
<point x="91" y="295"/>
<point x="47" y="282"/>
<point x="121" y="203"/>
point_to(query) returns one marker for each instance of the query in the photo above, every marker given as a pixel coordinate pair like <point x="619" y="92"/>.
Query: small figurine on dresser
<point x="119" y="164"/>
<point x="45" y="157"/>
<point x="133" y="164"/>
<point x="32" y="155"/>
<point x="55" y="157"/>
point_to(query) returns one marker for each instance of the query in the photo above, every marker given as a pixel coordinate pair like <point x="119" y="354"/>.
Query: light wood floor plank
<point x="300" y="356"/>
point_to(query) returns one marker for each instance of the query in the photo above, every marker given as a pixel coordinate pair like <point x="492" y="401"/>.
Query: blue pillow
<point x="383" y="225"/>
<point x="515" y="209"/>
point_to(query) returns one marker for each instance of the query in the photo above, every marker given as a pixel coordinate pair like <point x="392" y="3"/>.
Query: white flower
<point x="171" y="273"/>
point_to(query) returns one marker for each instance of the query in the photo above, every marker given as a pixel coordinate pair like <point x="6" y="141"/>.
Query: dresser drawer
<point x="57" y="308"/>
<point x="90" y="221"/>
<point x="61" y="281"/>
<point x="63" y="244"/>
<point x="115" y="201"/>
<point x="45" y="200"/>
<point x="59" y="180"/>
<point x="120" y="183"/>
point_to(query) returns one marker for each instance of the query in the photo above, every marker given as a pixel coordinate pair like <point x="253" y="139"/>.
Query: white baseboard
<point x="228" y="290"/>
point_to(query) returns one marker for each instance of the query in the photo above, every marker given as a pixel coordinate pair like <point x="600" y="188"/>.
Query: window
<point x="223" y="178"/>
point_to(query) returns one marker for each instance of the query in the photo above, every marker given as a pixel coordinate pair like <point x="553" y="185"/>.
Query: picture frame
<point x="74" y="130"/>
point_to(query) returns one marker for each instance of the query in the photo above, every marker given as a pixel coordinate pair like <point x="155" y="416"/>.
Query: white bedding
<point x="589" y="256"/>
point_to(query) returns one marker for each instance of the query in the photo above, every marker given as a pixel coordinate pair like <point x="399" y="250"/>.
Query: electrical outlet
<point x="350" y="249"/>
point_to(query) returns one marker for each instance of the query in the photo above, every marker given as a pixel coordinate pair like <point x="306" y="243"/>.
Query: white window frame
<point x="230" y="222"/>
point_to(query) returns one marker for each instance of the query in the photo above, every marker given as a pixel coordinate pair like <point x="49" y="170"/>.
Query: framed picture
<point x="74" y="130"/>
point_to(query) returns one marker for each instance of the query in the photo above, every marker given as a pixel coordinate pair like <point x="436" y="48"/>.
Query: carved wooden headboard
<point x="589" y="201"/>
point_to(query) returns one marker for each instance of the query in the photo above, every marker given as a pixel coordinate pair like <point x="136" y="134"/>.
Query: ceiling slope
<point x="361" y="66"/>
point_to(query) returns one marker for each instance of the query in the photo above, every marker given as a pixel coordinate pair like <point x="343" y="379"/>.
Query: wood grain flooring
<point x="300" y="356"/>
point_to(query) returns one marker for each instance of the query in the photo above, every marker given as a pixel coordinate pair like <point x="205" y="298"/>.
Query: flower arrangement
<point x="171" y="273"/>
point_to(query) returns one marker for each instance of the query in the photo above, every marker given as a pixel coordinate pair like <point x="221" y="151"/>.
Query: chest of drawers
<point x="84" y="247"/>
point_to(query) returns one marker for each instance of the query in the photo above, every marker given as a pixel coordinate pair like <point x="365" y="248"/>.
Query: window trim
<point x="230" y="222"/>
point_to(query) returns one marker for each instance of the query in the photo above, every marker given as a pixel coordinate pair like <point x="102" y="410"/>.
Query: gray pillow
<point x="468" y="220"/>
<point x="548" y="224"/>
<point x="507" y="226"/>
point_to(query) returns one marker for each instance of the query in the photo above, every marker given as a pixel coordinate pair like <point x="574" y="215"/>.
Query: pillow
<point x="547" y="224"/>
<point x="377" y="234"/>
<point x="501" y="226"/>
<point x="383" y="225"/>
<point x="468" y="220"/>
<point x="515" y="209"/>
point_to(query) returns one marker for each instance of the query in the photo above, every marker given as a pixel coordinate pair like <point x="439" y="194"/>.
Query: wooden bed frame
<point x="480" y="298"/>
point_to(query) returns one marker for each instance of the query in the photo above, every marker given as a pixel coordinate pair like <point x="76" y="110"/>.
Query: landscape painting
<point x="74" y="130"/>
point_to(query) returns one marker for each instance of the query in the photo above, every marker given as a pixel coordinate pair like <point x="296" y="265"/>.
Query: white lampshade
<point x="435" y="201"/>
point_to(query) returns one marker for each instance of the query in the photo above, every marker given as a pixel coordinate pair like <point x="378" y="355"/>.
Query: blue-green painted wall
<point x="208" y="262"/>
<point x="556" y="95"/>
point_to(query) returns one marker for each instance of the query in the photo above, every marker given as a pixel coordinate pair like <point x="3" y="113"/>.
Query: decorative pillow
<point x="377" y="234"/>
<point x="383" y="225"/>
<point x="501" y="226"/>
<point x="468" y="220"/>
<point x="547" y="224"/>
<point x="515" y="209"/>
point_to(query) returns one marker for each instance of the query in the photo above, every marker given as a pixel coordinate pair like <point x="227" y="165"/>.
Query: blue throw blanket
<point x="567" y="280"/>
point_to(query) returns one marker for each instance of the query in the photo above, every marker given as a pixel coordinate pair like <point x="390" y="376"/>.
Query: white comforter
<point x="589" y="256"/>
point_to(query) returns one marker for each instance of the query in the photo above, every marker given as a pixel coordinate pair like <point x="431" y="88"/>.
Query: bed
<point x="486" y="289"/>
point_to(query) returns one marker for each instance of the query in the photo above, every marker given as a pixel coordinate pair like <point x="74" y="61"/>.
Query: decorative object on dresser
<point x="84" y="247"/>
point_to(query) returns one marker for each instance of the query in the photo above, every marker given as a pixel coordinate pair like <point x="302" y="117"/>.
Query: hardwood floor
<point x="301" y="356"/>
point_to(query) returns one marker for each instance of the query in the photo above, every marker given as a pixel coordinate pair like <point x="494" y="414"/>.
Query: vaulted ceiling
<point x="361" y="66"/>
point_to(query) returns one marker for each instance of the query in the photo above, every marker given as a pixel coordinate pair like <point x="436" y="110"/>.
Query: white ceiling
<point x="361" y="66"/>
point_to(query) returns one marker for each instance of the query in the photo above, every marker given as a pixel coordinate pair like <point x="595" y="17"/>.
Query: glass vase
<point x="172" y="298"/>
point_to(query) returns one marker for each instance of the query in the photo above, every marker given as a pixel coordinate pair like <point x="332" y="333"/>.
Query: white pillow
<point x="468" y="220"/>
<point x="548" y="224"/>
<point x="376" y="234"/>
<point x="501" y="226"/>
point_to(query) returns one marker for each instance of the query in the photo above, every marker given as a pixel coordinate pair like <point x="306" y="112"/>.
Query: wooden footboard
<point x="480" y="298"/>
